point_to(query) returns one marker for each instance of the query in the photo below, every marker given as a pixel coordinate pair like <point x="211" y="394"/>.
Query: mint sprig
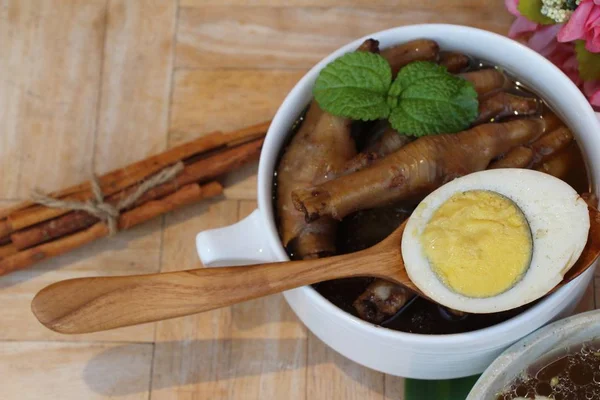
<point x="432" y="101"/>
<point x="355" y="86"/>
<point x="424" y="99"/>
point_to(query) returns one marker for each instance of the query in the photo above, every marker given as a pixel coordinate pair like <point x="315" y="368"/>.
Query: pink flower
<point x="564" y="57"/>
<point x="584" y="24"/>
<point x="521" y="25"/>
<point x="512" y="7"/>
<point x="592" y="91"/>
<point x="560" y="54"/>
<point x="545" y="39"/>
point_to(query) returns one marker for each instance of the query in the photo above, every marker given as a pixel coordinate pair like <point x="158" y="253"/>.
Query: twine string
<point x="103" y="210"/>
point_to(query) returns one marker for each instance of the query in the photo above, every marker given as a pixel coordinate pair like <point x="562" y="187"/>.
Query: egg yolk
<point x="478" y="243"/>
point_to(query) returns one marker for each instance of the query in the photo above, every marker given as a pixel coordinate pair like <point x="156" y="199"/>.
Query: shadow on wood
<point x="238" y="358"/>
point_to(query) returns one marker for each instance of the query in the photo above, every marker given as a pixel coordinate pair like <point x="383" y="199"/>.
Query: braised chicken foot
<point x="419" y="167"/>
<point x="486" y="81"/>
<point x="454" y="62"/>
<point x="502" y="104"/>
<point x="323" y="144"/>
<point x="381" y="300"/>
<point x="415" y="50"/>
<point x="530" y="156"/>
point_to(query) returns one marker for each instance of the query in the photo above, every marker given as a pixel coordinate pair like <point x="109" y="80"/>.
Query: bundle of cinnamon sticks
<point x="31" y="232"/>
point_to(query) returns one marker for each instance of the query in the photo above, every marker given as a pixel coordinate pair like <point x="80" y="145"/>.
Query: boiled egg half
<point x="494" y="240"/>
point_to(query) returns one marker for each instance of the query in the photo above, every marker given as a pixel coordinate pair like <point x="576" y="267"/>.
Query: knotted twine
<point x="105" y="211"/>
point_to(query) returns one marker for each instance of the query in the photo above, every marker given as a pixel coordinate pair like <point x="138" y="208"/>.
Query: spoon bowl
<point x="86" y="305"/>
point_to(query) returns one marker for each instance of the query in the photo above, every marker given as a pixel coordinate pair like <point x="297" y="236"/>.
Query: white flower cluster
<point x="557" y="10"/>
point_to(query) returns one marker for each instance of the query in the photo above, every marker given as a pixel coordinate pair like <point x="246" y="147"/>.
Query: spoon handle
<point x="94" y="304"/>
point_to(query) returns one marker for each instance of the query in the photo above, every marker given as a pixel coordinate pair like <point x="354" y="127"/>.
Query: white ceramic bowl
<point x="564" y="335"/>
<point x="255" y="239"/>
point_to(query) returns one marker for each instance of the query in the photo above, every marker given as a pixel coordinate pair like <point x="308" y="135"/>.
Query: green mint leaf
<point x="410" y="75"/>
<point x="431" y="101"/>
<point x="532" y="10"/>
<point x="589" y="63"/>
<point x="355" y="86"/>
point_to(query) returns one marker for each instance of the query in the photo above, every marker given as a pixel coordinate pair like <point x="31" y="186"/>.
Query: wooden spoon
<point x="94" y="304"/>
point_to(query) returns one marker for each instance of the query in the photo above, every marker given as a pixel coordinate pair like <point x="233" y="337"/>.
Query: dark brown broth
<point x="368" y="227"/>
<point x="564" y="375"/>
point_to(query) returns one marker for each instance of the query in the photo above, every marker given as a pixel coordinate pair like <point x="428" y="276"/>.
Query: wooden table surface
<point x="88" y="86"/>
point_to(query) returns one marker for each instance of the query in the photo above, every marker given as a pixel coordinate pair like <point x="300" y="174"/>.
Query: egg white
<point x="558" y="218"/>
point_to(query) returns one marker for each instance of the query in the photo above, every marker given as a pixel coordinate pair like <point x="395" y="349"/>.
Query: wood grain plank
<point x="132" y="123"/>
<point x="193" y="354"/>
<point x="54" y="67"/>
<point x="394" y="388"/>
<point x="13" y="93"/>
<point x="400" y="5"/>
<point x="205" y="101"/>
<point x="74" y="371"/>
<point x="331" y="376"/>
<point x="298" y="37"/>
<point x="49" y="82"/>
<point x="4" y="203"/>
<point x="135" y="251"/>
<point x="269" y="346"/>
<point x="136" y="82"/>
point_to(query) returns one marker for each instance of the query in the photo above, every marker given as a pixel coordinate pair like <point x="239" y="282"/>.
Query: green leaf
<point x="416" y="71"/>
<point x="589" y="63"/>
<point x="451" y="389"/>
<point x="431" y="101"/>
<point x="355" y="86"/>
<point x="411" y="74"/>
<point x="532" y="10"/>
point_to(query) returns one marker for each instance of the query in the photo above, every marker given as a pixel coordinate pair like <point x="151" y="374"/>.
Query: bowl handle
<point x="242" y="243"/>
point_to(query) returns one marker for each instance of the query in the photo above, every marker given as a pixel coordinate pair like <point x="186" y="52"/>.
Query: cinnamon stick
<point x="205" y="169"/>
<point x="217" y="165"/>
<point x="5" y="212"/>
<point x="5" y="228"/>
<point x="26" y="258"/>
<point x="46" y="231"/>
<point x="28" y="213"/>
<point x="8" y="250"/>
<point x="186" y="195"/>
<point x="202" y="170"/>
<point x="5" y="240"/>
